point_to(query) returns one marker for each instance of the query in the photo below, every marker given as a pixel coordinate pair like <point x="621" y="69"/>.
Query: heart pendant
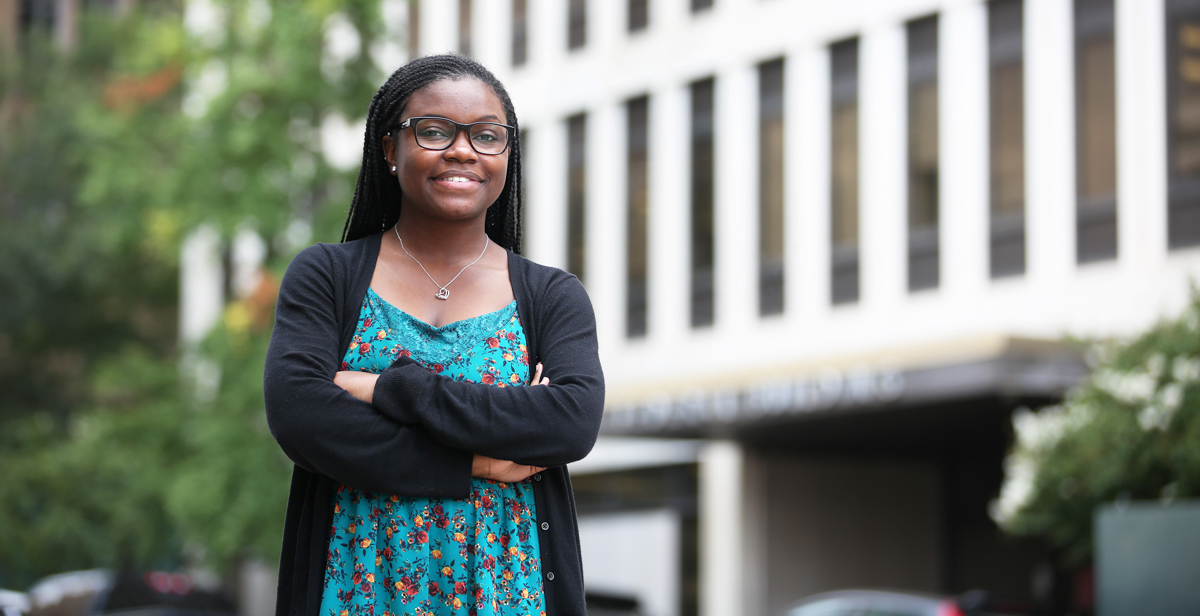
<point x="443" y="293"/>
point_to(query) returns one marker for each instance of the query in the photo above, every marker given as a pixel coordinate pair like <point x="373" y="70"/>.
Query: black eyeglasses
<point x="434" y="133"/>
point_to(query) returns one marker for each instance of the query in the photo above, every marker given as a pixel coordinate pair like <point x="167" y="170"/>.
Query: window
<point x="576" y="24"/>
<point x="576" y="193"/>
<point x="520" y="33"/>
<point x="414" y="28"/>
<point x="702" y="244"/>
<point x="843" y="144"/>
<point x="700" y="5"/>
<point x="922" y="154"/>
<point x="1183" y="123"/>
<point x="464" y="27"/>
<point x="770" y="187"/>
<point x="637" y="113"/>
<point x="1007" y="138"/>
<point x="1095" y="132"/>
<point x="639" y="15"/>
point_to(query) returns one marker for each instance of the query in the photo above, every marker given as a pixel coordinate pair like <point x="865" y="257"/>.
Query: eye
<point x="434" y="130"/>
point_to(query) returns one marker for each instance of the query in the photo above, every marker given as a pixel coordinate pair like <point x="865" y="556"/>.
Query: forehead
<point x="462" y="100"/>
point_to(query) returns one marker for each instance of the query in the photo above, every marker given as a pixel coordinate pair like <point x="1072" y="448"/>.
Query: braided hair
<point x="377" y="198"/>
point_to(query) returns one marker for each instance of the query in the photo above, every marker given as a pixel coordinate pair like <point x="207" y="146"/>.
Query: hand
<point x="361" y="385"/>
<point x="538" y="379"/>
<point x="503" y="471"/>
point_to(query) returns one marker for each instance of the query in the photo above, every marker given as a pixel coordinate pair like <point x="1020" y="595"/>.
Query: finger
<point x="537" y="374"/>
<point x="545" y="381"/>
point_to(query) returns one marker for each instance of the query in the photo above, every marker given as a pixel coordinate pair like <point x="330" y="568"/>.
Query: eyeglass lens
<point x="438" y="134"/>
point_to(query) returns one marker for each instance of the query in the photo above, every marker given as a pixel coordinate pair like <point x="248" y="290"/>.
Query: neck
<point x="441" y="242"/>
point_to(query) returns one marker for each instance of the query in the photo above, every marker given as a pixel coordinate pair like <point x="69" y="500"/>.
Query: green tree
<point x="1130" y="431"/>
<point x="113" y="455"/>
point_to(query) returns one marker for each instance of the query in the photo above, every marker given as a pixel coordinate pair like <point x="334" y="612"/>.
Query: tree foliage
<point x="1130" y="431"/>
<point x="113" y="453"/>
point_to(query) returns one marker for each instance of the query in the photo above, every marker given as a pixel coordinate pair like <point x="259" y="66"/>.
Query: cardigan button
<point x="537" y="477"/>
<point x="545" y="526"/>
<point x="550" y="576"/>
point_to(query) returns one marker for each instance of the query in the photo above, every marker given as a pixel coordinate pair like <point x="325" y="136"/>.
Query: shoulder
<point x="543" y="282"/>
<point x="335" y="261"/>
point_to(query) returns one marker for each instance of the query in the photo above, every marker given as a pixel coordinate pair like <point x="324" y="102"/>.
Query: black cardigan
<point x="418" y="437"/>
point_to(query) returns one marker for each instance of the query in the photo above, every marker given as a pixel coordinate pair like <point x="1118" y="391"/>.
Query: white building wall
<point x="889" y="325"/>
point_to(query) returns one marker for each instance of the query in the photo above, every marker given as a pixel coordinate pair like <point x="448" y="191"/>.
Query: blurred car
<point x="894" y="603"/>
<point x="99" y="591"/>
<point x="13" y="603"/>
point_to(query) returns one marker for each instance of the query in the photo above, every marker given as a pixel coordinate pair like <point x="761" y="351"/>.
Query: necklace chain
<point x="443" y="293"/>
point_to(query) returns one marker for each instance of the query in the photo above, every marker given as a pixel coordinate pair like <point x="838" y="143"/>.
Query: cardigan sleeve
<point x="543" y="426"/>
<point x="323" y="428"/>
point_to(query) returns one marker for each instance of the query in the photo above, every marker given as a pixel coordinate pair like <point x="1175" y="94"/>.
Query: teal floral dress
<point x="393" y="555"/>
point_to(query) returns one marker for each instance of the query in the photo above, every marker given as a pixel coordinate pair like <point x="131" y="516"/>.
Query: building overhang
<point x="898" y="380"/>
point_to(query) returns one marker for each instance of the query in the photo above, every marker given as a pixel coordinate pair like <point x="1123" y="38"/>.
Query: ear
<point x="389" y="152"/>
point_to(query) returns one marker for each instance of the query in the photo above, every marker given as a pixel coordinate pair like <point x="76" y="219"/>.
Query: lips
<point x="458" y="177"/>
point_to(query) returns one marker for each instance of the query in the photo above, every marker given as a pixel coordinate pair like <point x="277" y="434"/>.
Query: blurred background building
<point x="832" y="247"/>
<point x="835" y="245"/>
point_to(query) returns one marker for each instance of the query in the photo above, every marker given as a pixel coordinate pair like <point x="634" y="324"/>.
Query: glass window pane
<point x="464" y="27"/>
<point x="639" y="15"/>
<point x="1006" y="105"/>
<point x="520" y="33"/>
<point x="637" y="200"/>
<point x="702" y="241"/>
<point x="770" y="186"/>
<point x="1095" y="131"/>
<point x="844" y="172"/>
<point x="576" y="24"/>
<point x="923" y="167"/>
<point x="576" y="193"/>
<point x="1183" y="117"/>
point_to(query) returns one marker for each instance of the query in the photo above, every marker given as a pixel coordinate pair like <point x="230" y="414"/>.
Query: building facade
<point x="831" y="247"/>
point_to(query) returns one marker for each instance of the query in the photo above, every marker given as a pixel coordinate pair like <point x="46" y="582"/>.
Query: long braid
<point x="377" y="198"/>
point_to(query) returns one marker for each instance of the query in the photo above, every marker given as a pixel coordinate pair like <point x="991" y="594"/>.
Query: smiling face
<point x="456" y="183"/>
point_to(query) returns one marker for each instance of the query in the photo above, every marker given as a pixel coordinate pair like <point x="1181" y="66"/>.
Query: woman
<point x="429" y="479"/>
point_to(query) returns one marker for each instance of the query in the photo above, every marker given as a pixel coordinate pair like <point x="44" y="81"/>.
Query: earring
<point x="393" y="168"/>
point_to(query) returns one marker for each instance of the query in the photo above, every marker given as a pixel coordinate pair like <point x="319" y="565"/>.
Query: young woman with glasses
<point x="429" y="383"/>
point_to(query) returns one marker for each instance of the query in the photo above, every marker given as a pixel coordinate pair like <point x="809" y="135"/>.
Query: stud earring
<point x="393" y="168"/>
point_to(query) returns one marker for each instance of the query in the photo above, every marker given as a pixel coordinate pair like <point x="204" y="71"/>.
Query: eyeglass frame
<point x="410" y="123"/>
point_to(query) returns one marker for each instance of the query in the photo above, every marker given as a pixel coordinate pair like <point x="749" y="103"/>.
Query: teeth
<point x="456" y="179"/>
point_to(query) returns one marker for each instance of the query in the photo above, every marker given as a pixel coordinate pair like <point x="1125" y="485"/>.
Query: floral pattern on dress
<point x="393" y="555"/>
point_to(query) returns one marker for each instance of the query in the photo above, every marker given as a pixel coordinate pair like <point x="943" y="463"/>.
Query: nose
<point x="460" y="149"/>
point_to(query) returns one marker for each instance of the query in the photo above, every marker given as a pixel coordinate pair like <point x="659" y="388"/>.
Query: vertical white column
<point x="806" y="186"/>
<point x="201" y="284"/>
<point x="546" y="212"/>
<point x="491" y="35"/>
<point x="721" y="523"/>
<point x="883" y="185"/>
<point x="669" y="275"/>
<point x="1141" y="134"/>
<point x="604" y="220"/>
<point x="963" y="105"/>
<point x="735" y="207"/>
<point x="1049" y="142"/>
<point x="439" y="27"/>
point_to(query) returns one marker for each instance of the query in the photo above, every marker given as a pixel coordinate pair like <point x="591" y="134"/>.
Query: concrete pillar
<point x="807" y="187"/>
<point x="604" y="222"/>
<point x="735" y="207"/>
<point x="1141" y="135"/>
<point x="963" y="104"/>
<point x="1049" y="143"/>
<point x="883" y="155"/>
<point x="721" y="521"/>
<point x="669" y="275"/>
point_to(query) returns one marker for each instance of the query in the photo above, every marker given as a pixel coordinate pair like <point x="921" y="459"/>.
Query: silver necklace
<point x="443" y="292"/>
